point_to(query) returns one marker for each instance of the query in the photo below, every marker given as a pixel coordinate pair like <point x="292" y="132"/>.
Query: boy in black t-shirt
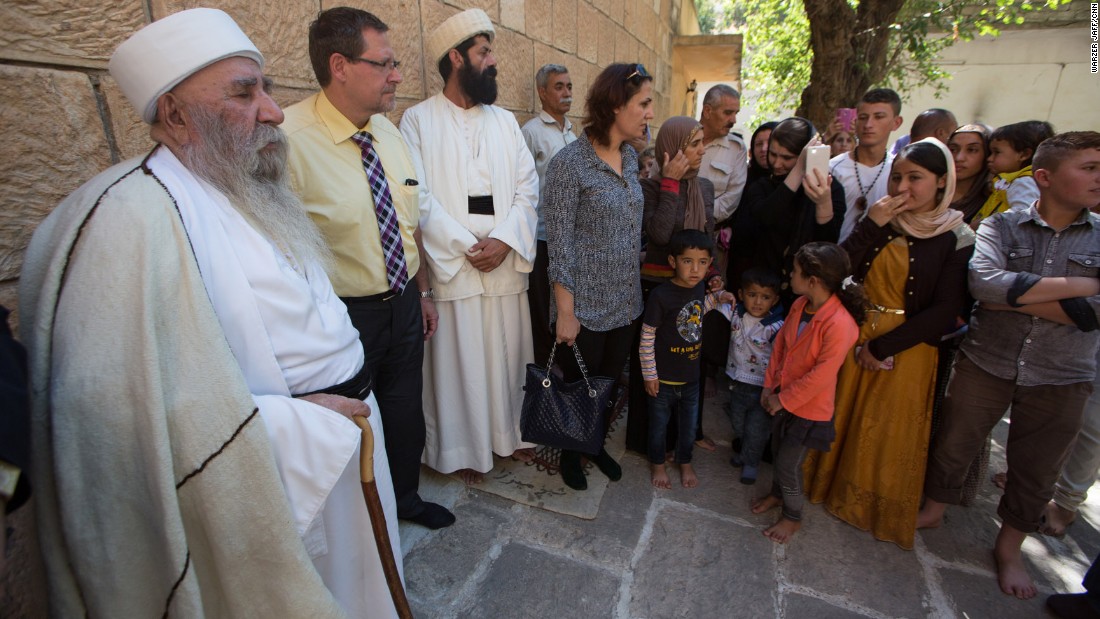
<point x="672" y="328"/>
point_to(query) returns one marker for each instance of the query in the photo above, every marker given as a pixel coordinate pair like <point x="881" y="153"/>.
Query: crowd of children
<point x="841" y="384"/>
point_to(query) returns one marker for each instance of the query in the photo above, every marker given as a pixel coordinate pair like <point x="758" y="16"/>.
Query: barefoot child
<point x="672" y="329"/>
<point x="754" y="323"/>
<point x="1031" y="345"/>
<point x="800" y="384"/>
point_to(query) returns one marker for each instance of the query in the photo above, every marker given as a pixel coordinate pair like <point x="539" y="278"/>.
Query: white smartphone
<point x="817" y="158"/>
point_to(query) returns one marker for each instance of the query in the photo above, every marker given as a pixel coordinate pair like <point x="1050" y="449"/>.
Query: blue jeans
<point x="751" y="423"/>
<point x="684" y="401"/>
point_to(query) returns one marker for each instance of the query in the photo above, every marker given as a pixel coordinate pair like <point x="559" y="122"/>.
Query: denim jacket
<point x="1013" y="251"/>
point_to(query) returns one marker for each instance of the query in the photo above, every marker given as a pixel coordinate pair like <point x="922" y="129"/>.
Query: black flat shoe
<point x="571" y="472"/>
<point x="608" y="466"/>
<point x="433" y="516"/>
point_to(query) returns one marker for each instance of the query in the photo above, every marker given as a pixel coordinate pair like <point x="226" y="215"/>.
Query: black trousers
<point x="393" y="342"/>
<point x="539" y="299"/>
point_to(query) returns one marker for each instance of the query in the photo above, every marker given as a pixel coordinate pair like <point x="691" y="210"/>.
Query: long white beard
<point x="250" y="169"/>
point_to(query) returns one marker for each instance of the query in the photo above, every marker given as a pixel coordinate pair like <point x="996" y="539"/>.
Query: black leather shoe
<point x="608" y="466"/>
<point x="433" y="516"/>
<point x="1072" y="606"/>
<point x="571" y="472"/>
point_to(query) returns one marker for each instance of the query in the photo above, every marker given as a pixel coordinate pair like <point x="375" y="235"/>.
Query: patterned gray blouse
<point x="593" y="234"/>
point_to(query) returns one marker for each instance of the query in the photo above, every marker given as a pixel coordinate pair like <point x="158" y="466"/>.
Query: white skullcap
<point x="457" y="29"/>
<point x="161" y="55"/>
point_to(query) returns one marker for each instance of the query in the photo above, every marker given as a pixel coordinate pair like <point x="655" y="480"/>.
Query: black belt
<point x="481" y="205"/>
<point x="357" y="387"/>
<point x="374" y="298"/>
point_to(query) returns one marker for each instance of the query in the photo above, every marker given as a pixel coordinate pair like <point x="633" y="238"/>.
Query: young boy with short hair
<point x="672" y="329"/>
<point x="1031" y="344"/>
<point x="754" y="321"/>
<point x="865" y="171"/>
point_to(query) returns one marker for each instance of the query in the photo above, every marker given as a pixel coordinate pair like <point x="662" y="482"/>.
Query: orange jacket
<point x="804" y="369"/>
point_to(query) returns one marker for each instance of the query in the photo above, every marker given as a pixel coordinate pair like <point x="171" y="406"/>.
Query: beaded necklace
<point x="861" y="201"/>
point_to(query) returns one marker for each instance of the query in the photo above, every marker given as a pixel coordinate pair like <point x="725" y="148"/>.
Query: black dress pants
<point x="393" y="342"/>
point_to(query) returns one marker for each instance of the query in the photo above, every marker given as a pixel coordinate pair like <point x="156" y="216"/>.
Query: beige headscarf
<point x="942" y="218"/>
<point x="673" y="137"/>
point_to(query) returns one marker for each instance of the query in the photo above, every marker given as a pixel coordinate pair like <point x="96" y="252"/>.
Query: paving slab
<point x="438" y="568"/>
<point x="977" y="596"/>
<point x="834" y="558"/>
<point x="797" y="606"/>
<point x="700" y="553"/>
<point x="528" y="582"/>
<point x="720" y="489"/>
<point x="701" y="565"/>
<point x="967" y="537"/>
<point x="611" y="537"/>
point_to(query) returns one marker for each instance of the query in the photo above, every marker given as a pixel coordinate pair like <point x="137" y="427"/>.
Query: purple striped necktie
<point x="393" y="250"/>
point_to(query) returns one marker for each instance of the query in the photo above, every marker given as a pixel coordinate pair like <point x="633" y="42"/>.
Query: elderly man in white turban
<point x="194" y="375"/>
<point x="479" y="236"/>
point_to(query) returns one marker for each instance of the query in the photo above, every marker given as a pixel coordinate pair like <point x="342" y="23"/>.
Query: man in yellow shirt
<point x="355" y="176"/>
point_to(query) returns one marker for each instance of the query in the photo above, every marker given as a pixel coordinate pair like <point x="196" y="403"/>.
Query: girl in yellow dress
<point x="911" y="253"/>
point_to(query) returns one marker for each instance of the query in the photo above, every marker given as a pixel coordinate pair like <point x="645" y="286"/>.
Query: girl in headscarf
<point x="970" y="149"/>
<point x="679" y="199"/>
<point x="758" y="153"/>
<point x="910" y="253"/>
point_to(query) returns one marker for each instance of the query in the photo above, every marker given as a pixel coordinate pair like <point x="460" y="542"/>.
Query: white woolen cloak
<point x="157" y="489"/>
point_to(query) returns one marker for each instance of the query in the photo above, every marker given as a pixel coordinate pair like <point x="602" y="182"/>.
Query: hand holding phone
<point x="817" y="158"/>
<point x="846" y="116"/>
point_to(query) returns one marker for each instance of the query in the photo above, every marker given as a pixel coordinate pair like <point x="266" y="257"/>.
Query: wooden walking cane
<point x="378" y="519"/>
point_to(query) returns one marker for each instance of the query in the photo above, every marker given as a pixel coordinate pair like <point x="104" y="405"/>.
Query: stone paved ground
<point x="700" y="554"/>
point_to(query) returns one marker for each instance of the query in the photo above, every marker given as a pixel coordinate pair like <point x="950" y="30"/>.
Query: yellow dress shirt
<point x="326" y="169"/>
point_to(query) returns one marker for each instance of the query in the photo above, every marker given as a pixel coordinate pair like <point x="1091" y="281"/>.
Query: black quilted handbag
<point x="565" y="415"/>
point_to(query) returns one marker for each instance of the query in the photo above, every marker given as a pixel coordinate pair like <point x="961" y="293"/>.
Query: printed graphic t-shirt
<point x="677" y="314"/>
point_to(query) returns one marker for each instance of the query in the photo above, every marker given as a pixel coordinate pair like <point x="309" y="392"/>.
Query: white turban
<point x="457" y="29"/>
<point x="161" y="55"/>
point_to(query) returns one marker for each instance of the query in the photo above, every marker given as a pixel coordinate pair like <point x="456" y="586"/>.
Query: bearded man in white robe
<point x="478" y="228"/>
<point x="194" y="376"/>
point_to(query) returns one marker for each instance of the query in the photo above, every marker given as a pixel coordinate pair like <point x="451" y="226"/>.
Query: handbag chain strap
<point x="580" y="364"/>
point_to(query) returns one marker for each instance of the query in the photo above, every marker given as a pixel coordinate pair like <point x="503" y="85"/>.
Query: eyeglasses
<point x="387" y="66"/>
<point x="639" y="71"/>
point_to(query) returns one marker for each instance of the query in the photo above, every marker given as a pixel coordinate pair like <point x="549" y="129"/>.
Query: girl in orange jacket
<point x="800" y="383"/>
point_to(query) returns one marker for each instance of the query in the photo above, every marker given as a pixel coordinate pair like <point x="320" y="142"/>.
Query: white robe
<point x="474" y="365"/>
<point x="291" y="334"/>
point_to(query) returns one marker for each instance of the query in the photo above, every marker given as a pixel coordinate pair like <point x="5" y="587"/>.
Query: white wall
<point x="1040" y="74"/>
<point x="1021" y="75"/>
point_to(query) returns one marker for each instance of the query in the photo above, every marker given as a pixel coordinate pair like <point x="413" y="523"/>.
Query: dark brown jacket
<point x="935" y="286"/>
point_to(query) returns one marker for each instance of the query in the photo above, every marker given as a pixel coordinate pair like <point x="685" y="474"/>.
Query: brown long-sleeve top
<point x="935" y="287"/>
<point x="664" y="214"/>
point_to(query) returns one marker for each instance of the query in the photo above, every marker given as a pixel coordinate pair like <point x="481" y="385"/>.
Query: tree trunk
<point x="850" y="49"/>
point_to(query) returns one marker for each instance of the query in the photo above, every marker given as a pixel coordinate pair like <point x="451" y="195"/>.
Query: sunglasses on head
<point x="639" y="71"/>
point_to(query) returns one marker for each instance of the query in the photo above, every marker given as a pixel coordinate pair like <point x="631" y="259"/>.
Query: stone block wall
<point x="64" y="119"/>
